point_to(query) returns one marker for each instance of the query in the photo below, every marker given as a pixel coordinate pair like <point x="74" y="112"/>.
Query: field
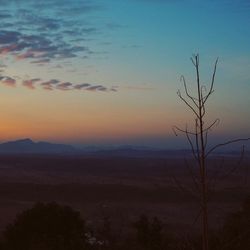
<point x="121" y="188"/>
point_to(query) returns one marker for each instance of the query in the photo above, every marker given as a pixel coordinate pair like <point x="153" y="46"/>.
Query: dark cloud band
<point x="55" y="84"/>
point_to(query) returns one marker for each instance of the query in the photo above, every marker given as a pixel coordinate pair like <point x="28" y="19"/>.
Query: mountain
<point x="27" y="146"/>
<point x="140" y="152"/>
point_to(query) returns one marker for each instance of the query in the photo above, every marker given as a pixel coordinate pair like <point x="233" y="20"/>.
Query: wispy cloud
<point x="8" y="81"/>
<point x="30" y="84"/>
<point x="55" y="84"/>
<point x="64" y="85"/>
<point x="41" y="37"/>
<point x="97" y="88"/>
<point x="82" y="85"/>
<point x="49" y="85"/>
<point x="49" y="33"/>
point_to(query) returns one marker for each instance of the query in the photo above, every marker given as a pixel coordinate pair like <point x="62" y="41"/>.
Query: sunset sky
<point x="106" y="72"/>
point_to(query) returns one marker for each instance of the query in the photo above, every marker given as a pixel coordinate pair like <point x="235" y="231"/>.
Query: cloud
<point x="79" y="8"/>
<point x="38" y="47"/>
<point x="88" y="30"/>
<point x="9" y="36"/>
<point x="30" y="83"/>
<point x="55" y="84"/>
<point x="49" y="84"/>
<point x="114" y="89"/>
<point x="41" y="47"/>
<point x="6" y="49"/>
<point x="52" y="32"/>
<point x="47" y="33"/>
<point x="4" y="15"/>
<point x="81" y="86"/>
<point x="8" y="81"/>
<point x="33" y="33"/>
<point x="41" y="61"/>
<point x="64" y="85"/>
<point x="97" y="88"/>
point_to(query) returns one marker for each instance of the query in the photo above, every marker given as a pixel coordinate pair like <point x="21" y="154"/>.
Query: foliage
<point x="149" y="233"/>
<point x="236" y="230"/>
<point x="46" y="227"/>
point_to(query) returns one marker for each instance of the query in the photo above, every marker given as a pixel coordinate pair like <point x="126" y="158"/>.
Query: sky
<point x="106" y="72"/>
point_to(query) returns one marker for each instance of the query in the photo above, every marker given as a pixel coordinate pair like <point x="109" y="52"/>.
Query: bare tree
<point x="198" y="137"/>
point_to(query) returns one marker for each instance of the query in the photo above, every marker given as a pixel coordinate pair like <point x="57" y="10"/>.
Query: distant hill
<point x="141" y="152"/>
<point x="27" y="146"/>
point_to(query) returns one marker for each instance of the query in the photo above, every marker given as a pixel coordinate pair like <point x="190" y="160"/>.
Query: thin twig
<point x="185" y="101"/>
<point x="186" y="90"/>
<point x="212" y="82"/>
<point x="193" y="176"/>
<point x="226" y="143"/>
<point x="175" y="128"/>
<point x="214" y="123"/>
<point x="192" y="146"/>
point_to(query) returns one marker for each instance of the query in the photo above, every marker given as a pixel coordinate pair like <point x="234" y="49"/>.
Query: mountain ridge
<point x="28" y="146"/>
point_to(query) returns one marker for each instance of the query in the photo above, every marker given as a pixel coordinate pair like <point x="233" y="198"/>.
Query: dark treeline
<point x="50" y="226"/>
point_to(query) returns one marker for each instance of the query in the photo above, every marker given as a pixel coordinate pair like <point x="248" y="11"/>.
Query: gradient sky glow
<point x="107" y="72"/>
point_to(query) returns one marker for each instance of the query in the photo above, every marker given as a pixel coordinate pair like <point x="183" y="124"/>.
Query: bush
<point x="46" y="227"/>
<point x="149" y="233"/>
<point x="236" y="230"/>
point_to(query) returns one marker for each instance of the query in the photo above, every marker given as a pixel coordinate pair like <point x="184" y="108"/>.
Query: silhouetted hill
<point x="144" y="152"/>
<point x="27" y="146"/>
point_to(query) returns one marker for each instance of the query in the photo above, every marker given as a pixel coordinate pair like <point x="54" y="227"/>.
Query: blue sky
<point x="107" y="72"/>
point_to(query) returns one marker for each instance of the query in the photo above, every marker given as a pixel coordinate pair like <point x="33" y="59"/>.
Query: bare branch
<point x="213" y="179"/>
<point x="192" y="60"/>
<point x="226" y="143"/>
<point x="189" y="105"/>
<point x="195" y="60"/>
<point x="175" y="128"/>
<point x="197" y="217"/>
<point x="211" y="90"/>
<point x="205" y="141"/>
<point x="196" y="139"/>
<point x="215" y="123"/>
<point x="193" y="176"/>
<point x="186" y="90"/>
<point x="202" y="106"/>
<point x="242" y="154"/>
<point x="182" y="188"/>
<point x="191" y="144"/>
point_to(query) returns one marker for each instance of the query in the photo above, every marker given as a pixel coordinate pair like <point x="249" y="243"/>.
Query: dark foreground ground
<point x="122" y="188"/>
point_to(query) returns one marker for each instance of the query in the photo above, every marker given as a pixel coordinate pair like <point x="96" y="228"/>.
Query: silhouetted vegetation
<point x="46" y="227"/>
<point x="236" y="230"/>
<point x="198" y="140"/>
<point x="149" y="235"/>
<point x="55" y="227"/>
<point x="111" y="210"/>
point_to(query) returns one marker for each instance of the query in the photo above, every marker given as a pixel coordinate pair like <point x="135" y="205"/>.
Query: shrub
<point x="46" y="227"/>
